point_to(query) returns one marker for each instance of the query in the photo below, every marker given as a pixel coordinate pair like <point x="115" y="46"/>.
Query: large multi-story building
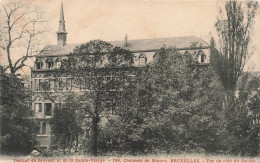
<point x="51" y="56"/>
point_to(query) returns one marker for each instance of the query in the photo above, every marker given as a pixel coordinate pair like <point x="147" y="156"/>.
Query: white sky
<point x="112" y="19"/>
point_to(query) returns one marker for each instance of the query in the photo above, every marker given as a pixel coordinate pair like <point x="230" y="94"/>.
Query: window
<point x="40" y="84"/>
<point x="38" y="107"/>
<point x="58" y="85"/>
<point x="142" y="59"/>
<point x="39" y="127"/>
<point x="58" y="62"/>
<point x="48" y="109"/>
<point x="202" y="58"/>
<point x="44" y="128"/>
<point x="68" y="83"/>
<point x="49" y="63"/>
<point x="36" y="85"/>
<point x="38" y="63"/>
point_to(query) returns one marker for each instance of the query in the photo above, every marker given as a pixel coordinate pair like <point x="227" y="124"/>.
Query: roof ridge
<point x="140" y="40"/>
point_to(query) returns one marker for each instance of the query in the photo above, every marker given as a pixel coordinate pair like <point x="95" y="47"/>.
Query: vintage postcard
<point x="113" y="81"/>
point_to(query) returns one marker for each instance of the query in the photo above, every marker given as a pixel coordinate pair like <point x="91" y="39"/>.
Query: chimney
<point x="125" y="41"/>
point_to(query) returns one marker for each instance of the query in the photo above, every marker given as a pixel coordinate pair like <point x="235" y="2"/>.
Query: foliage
<point x="228" y="58"/>
<point x="173" y="101"/>
<point x="66" y="122"/>
<point x="18" y="130"/>
<point x="243" y="133"/>
<point x="234" y="31"/>
<point x="103" y="71"/>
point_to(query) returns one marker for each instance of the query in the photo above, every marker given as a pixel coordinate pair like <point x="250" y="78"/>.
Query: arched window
<point x="38" y="63"/>
<point x="49" y="63"/>
<point x="44" y="128"/>
<point x="201" y="56"/>
<point x="142" y="59"/>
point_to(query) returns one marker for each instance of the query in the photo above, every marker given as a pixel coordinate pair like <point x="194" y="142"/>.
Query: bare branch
<point x="16" y="32"/>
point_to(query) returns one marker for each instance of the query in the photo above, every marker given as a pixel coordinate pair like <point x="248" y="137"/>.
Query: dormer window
<point x="201" y="57"/>
<point x="142" y="59"/>
<point x="38" y="63"/>
<point x="58" y="62"/>
<point x="49" y="64"/>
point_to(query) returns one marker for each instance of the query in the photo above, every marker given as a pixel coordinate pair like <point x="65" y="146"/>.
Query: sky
<point x="140" y="19"/>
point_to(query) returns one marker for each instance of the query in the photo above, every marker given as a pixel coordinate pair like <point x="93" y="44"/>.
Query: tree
<point x="20" y="28"/>
<point x="229" y="57"/>
<point x="243" y="127"/>
<point x="66" y="122"/>
<point x="234" y="28"/>
<point x="182" y="95"/>
<point x="173" y="100"/>
<point x="18" y="130"/>
<point x="103" y="71"/>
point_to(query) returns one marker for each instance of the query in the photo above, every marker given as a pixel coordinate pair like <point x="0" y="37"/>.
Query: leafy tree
<point x="103" y="71"/>
<point x="228" y="58"/>
<point x="243" y="127"/>
<point x="185" y="91"/>
<point x="234" y="31"/>
<point x="175" y="106"/>
<point x="18" y="130"/>
<point x="20" y="27"/>
<point x="66" y="121"/>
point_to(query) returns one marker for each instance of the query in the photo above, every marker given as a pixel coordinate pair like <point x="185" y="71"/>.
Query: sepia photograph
<point x="123" y="81"/>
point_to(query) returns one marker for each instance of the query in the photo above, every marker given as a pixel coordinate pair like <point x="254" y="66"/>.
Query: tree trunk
<point x="70" y="144"/>
<point x="77" y="143"/>
<point x="95" y="121"/>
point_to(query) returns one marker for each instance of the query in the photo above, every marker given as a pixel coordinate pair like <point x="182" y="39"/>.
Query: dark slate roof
<point x="133" y="45"/>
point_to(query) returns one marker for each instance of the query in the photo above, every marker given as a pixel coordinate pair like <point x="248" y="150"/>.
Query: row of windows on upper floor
<point x="50" y="63"/>
<point x="67" y="83"/>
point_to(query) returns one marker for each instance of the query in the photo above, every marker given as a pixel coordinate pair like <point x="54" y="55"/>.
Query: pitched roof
<point x="133" y="45"/>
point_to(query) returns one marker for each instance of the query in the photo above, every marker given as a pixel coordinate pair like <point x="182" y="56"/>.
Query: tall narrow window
<point x="58" y="62"/>
<point x="49" y="64"/>
<point x="201" y="56"/>
<point x="39" y="127"/>
<point x="44" y="128"/>
<point x="38" y="107"/>
<point x="142" y="59"/>
<point x="58" y="84"/>
<point x="48" y="109"/>
<point x="68" y="83"/>
<point x="38" y="63"/>
<point x="36" y="85"/>
<point x="202" y="60"/>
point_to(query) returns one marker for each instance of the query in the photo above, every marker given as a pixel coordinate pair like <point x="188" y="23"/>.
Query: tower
<point x="61" y="33"/>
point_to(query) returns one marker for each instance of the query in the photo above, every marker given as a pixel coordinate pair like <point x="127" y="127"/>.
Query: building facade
<point x="51" y="56"/>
